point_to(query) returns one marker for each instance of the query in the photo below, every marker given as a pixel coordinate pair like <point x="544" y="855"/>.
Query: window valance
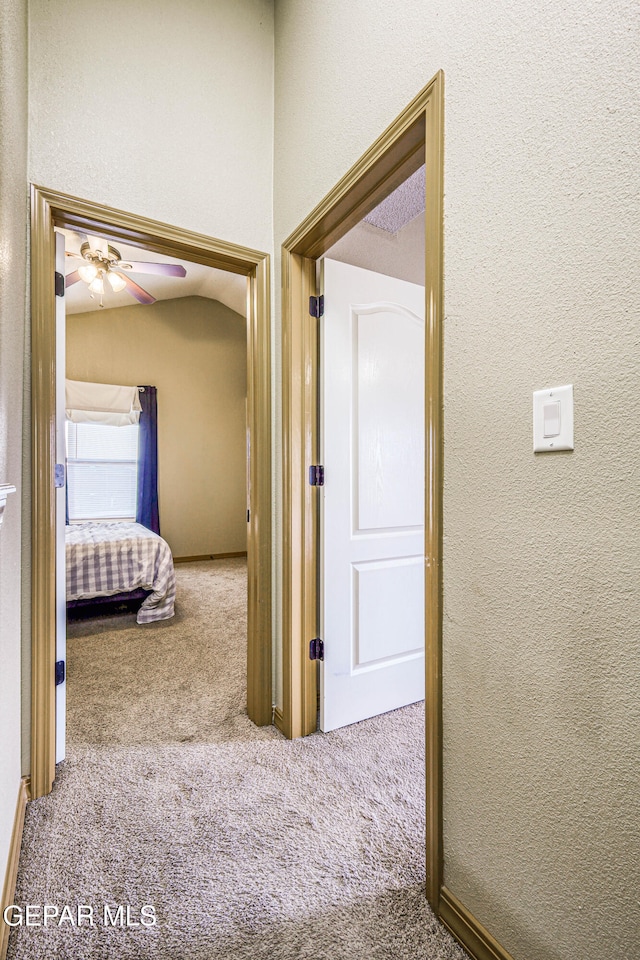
<point x="105" y="403"/>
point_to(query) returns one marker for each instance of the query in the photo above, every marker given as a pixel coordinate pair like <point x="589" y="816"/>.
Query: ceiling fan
<point x="103" y="264"/>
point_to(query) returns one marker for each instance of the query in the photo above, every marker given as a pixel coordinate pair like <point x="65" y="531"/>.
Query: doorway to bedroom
<point x="155" y="447"/>
<point x="187" y="327"/>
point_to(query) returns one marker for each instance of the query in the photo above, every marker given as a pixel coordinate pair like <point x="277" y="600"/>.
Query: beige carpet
<point x="248" y="846"/>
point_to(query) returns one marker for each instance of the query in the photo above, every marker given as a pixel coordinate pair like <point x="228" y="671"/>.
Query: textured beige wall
<point x="163" y="109"/>
<point x="194" y="350"/>
<point x="13" y="242"/>
<point x="541" y="553"/>
<point x="161" y="117"/>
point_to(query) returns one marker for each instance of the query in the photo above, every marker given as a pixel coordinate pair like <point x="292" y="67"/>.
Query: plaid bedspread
<point x="108" y="558"/>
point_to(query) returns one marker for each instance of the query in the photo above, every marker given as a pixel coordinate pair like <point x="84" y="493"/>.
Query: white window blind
<point x="102" y="471"/>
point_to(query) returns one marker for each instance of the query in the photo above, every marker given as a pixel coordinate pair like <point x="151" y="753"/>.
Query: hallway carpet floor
<point x="240" y="844"/>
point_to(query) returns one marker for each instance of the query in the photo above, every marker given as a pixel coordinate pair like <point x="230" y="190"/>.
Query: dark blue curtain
<point x="147" y="507"/>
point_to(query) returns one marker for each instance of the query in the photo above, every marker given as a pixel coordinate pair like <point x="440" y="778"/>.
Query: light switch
<point x="553" y="419"/>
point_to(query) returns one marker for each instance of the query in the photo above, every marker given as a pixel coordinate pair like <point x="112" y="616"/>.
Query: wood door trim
<point x="48" y="210"/>
<point x="13" y="859"/>
<point x="474" y="937"/>
<point x="416" y="136"/>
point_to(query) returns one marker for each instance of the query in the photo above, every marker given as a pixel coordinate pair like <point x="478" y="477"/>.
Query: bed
<point x="119" y="561"/>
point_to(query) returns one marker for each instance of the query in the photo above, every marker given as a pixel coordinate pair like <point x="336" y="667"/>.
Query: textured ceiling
<point x="404" y="204"/>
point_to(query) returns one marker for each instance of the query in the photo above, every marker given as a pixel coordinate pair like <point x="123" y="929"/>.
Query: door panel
<point x="372" y="518"/>
<point x="384" y="630"/>
<point x="388" y="444"/>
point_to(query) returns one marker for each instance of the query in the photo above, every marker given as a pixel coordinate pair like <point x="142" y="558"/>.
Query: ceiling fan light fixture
<point x="88" y="272"/>
<point x="97" y="284"/>
<point x="117" y="282"/>
<point x="100" y="261"/>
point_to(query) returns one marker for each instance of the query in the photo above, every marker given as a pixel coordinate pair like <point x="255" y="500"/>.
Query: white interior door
<point x="372" y="501"/>
<point x="60" y="491"/>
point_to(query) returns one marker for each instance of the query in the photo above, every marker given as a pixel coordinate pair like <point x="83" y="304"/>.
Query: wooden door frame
<point x="50" y="209"/>
<point x="414" y="138"/>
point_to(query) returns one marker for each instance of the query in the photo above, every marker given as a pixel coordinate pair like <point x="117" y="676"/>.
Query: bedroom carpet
<point x="247" y="846"/>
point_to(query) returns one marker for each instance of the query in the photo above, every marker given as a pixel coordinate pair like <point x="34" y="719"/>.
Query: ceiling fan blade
<point x="72" y="278"/>
<point x="166" y="269"/>
<point x="141" y="295"/>
<point x="76" y="256"/>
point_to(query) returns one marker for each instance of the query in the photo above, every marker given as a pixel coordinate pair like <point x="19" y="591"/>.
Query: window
<point x="102" y="471"/>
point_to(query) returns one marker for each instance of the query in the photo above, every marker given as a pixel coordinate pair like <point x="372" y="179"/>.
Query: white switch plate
<point x="564" y="438"/>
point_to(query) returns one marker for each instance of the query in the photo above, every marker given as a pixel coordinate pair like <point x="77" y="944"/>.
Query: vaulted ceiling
<point x="200" y="281"/>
